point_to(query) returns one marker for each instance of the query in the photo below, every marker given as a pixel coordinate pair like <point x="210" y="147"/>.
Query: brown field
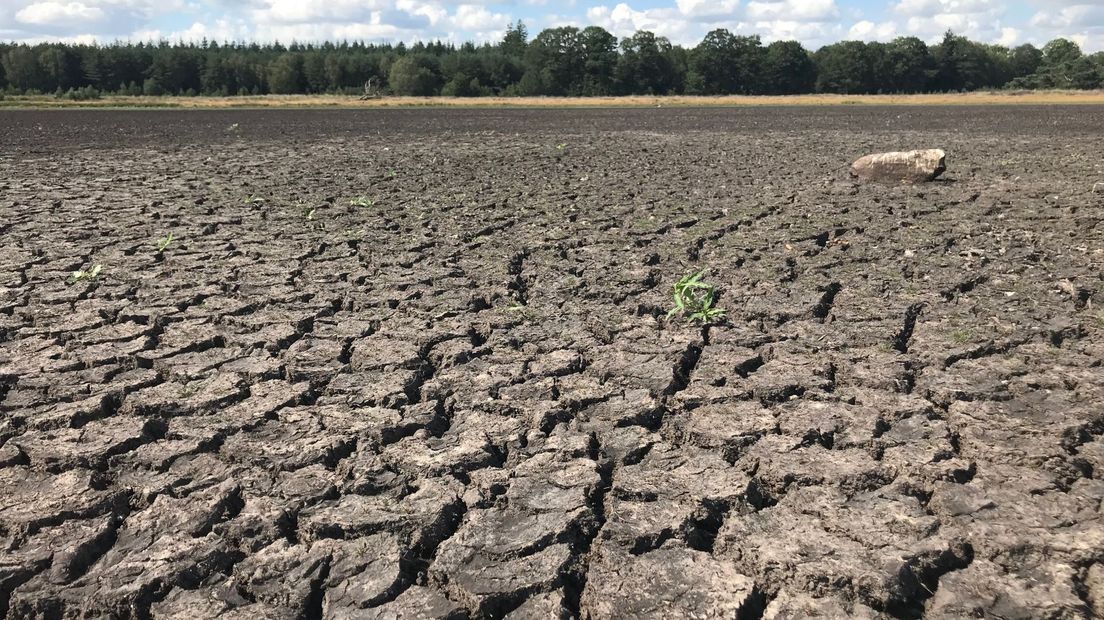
<point x="338" y="101"/>
<point x="414" y="363"/>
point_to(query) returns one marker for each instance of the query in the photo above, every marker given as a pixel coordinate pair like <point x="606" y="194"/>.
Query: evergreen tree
<point x="516" y="40"/>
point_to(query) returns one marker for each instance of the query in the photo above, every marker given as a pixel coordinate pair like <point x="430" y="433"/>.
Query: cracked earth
<point x="463" y="398"/>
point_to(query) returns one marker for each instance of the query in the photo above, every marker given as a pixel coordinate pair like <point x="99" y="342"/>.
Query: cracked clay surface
<point x="462" y="398"/>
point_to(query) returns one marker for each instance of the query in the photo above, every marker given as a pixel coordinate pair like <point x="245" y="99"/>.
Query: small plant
<point x="163" y="243"/>
<point x="82" y="275"/>
<point x="254" y="200"/>
<point x="961" y="336"/>
<point x="362" y="201"/>
<point x="561" y="146"/>
<point x="308" y="212"/>
<point x="235" y="128"/>
<point x="695" y="299"/>
<point x="520" y="310"/>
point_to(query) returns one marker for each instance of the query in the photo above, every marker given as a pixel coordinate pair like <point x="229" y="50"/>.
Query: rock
<point x="900" y="167"/>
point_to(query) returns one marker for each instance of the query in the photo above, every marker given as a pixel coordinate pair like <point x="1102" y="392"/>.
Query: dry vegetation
<point x="339" y="101"/>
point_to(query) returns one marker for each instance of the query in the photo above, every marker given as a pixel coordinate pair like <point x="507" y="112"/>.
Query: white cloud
<point x="1080" y="21"/>
<point x="707" y="8"/>
<point x="1077" y="16"/>
<point x="309" y="11"/>
<point x="1009" y="36"/>
<point x="794" y="10"/>
<point x="58" y="14"/>
<point x="473" y="17"/>
<point x="623" y="21"/>
<point x="866" y="30"/>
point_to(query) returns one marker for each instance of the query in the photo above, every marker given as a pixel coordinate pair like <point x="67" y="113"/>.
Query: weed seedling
<point x="362" y="201"/>
<point x="82" y="275"/>
<point x="254" y="200"/>
<point x="163" y="243"/>
<point x="308" y="212"/>
<point x="233" y="128"/>
<point x="695" y="299"/>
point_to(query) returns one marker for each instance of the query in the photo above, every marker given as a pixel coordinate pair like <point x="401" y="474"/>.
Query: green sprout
<point x="254" y="200"/>
<point x="163" y="243"/>
<point x="308" y="212"/>
<point x="694" y="299"/>
<point x="561" y="146"/>
<point x="362" y="201"/>
<point x="82" y="275"/>
<point x="233" y="128"/>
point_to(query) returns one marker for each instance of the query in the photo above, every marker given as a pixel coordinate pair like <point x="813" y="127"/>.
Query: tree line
<point x="564" y="61"/>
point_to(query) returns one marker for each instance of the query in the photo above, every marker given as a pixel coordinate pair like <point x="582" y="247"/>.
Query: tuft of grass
<point x="962" y="336"/>
<point x="695" y="299"/>
<point x="164" y="242"/>
<point x="362" y="201"/>
<point x="82" y="275"/>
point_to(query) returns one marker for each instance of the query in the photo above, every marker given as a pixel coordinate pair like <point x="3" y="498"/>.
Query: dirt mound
<point x="462" y="397"/>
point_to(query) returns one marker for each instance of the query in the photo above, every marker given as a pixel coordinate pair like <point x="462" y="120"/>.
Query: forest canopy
<point x="564" y="61"/>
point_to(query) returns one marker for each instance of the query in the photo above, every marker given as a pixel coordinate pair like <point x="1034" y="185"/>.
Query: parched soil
<point x="463" y="397"/>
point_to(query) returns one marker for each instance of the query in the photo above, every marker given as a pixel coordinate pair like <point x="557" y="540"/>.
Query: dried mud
<point x="465" y="400"/>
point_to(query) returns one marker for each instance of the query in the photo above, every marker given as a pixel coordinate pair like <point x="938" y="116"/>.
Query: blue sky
<point x="814" y="22"/>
